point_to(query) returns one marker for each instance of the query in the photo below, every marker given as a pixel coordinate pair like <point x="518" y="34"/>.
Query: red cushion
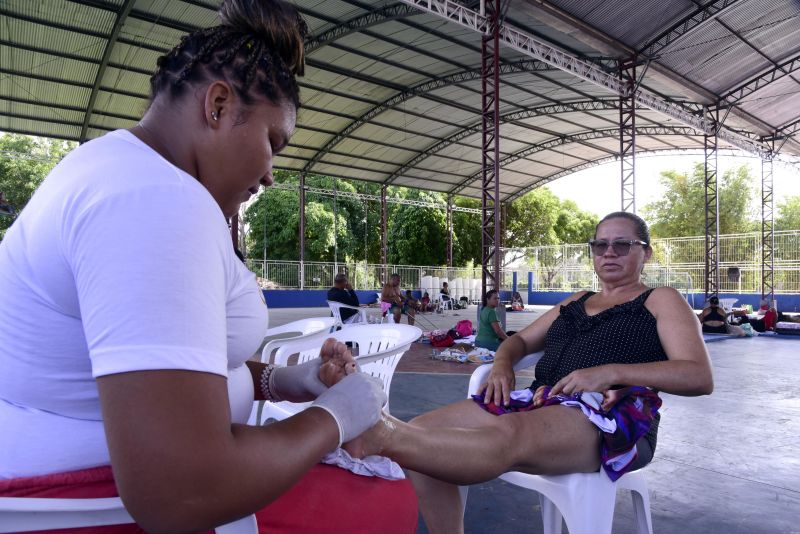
<point x="326" y="499"/>
<point x="329" y="499"/>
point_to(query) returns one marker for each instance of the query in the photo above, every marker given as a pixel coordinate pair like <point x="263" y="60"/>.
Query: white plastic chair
<point x="294" y="331"/>
<point x="380" y="347"/>
<point x="336" y="309"/>
<point x="727" y="305"/>
<point x="445" y="302"/>
<point x="26" y="514"/>
<point x="586" y="501"/>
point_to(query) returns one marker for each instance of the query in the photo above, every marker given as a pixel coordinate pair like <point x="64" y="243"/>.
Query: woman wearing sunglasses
<point x="606" y="355"/>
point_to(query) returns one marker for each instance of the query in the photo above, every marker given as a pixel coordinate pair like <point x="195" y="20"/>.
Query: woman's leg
<point x="463" y="444"/>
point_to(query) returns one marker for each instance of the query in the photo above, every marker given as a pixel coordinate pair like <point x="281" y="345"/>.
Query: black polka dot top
<point x="625" y="333"/>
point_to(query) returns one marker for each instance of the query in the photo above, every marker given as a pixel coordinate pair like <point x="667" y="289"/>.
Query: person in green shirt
<point x="490" y="332"/>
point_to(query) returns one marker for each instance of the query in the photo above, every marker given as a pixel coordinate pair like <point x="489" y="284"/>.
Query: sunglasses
<point x="622" y="247"/>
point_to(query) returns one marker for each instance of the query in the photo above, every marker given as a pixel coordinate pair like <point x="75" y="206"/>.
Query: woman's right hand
<point x="499" y="385"/>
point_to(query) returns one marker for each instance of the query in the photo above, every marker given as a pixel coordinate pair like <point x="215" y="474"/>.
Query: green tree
<point x="466" y="233"/>
<point x="681" y="212"/>
<point x="788" y="214"/>
<point x="275" y="216"/>
<point x="574" y="225"/>
<point x="417" y="235"/>
<point x="24" y="163"/>
<point x="532" y="219"/>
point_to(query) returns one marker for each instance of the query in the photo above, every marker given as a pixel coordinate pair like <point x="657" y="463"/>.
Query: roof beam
<point x="375" y="198"/>
<point x="72" y="83"/>
<point x="419" y="90"/>
<point x="356" y="24"/>
<point x="475" y="128"/>
<point x="73" y="57"/>
<point x="54" y="106"/>
<point x="737" y="94"/>
<point x="548" y="53"/>
<point x="574" y="138"/>
<point x="697" y="18"/>
<point x="121" y="16"/>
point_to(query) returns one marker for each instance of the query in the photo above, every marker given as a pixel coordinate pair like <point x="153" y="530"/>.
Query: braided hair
<point x="257" y="48"/>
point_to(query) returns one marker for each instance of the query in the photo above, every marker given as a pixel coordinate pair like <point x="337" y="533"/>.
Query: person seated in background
<point x="445" y="292"/>
<point x="392" y="300"/>
<point x="714" y="320"/>
<point x="343" y="292"/>
<point x="411" y="302"/>
<point x="425" y="303"/>
<point x="490" y="331"/>
<point x="516" y="302"/>
<point x="765" y="319"/>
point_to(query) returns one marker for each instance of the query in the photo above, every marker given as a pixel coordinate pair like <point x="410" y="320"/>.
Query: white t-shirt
<point x="120" y="262"/>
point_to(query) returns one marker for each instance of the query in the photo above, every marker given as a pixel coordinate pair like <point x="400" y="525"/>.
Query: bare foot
<point x="337" y="362"/>
<point x="374" y="440"/>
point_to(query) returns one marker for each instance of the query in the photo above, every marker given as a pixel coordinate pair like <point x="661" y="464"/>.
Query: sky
<point x="604" y="194"/>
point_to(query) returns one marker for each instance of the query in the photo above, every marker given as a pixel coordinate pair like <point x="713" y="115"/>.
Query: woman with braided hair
<point x="128" y="346"/>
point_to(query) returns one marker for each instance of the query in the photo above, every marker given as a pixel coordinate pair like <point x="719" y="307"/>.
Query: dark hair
<point x="713" y="300"/>
<point x="339" y="278"/>
<point x="394" y="275"/>
<point x="239" y="255"/>
<point x="259" y="43"/>
<point x="641" y="227"/>
<point x="489" y="294"/>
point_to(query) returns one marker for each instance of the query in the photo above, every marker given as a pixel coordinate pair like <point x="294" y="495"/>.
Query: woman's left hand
<point x="599" y="379"/>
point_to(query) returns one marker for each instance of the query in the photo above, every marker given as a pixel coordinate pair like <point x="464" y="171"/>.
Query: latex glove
<point x="297" y="383"/>
<point x="354" y="403"/>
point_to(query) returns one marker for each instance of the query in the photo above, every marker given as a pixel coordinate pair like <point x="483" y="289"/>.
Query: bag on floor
<point x="464" y="328"/>
<point x="441" y="339"/>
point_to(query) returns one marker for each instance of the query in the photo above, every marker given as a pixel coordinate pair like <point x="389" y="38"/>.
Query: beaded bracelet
<point x="265" y="383"/>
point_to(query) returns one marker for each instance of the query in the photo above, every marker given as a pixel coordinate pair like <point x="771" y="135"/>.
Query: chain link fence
<point x="678" y="262"/>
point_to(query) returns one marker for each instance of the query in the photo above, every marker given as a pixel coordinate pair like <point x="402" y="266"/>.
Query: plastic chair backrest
<point x="313" y="327"/>
<point x="26" y="514"/>
<point x="380" y="347"/>
<point x="336" y="310"/>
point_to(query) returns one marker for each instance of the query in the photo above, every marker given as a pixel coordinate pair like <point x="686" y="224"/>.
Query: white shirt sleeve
<point x="150" y="273"/>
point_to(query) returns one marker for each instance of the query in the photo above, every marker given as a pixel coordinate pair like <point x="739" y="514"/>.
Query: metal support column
<point x="490" y="110"/>
<point x="712" y="209"/>
<point x="767" y="227"/>
<point x="384" y="237"/>
<point x="302" y="229"/>
<point x="335" y="230"/>
<point x="449" y="230"/>
<point x="627" y="134"/>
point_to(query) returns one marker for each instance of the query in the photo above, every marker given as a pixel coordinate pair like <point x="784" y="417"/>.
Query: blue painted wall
<point x="308" y="298"/>
<point x="312" y="298"/>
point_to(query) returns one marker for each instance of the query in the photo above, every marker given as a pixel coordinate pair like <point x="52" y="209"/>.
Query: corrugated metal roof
<point x="398" y="99"/>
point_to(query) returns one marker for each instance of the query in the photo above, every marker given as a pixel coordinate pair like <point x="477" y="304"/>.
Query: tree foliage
<point x="788" y="216"/>
<point x="417" y="235"/>
<point x="681" y="212"/>
<point x="24" y="163"/>
<point x="466" y="233"/>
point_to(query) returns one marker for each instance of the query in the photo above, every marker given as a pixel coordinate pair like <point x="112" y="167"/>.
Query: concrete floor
<point x="728" y="463"/>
